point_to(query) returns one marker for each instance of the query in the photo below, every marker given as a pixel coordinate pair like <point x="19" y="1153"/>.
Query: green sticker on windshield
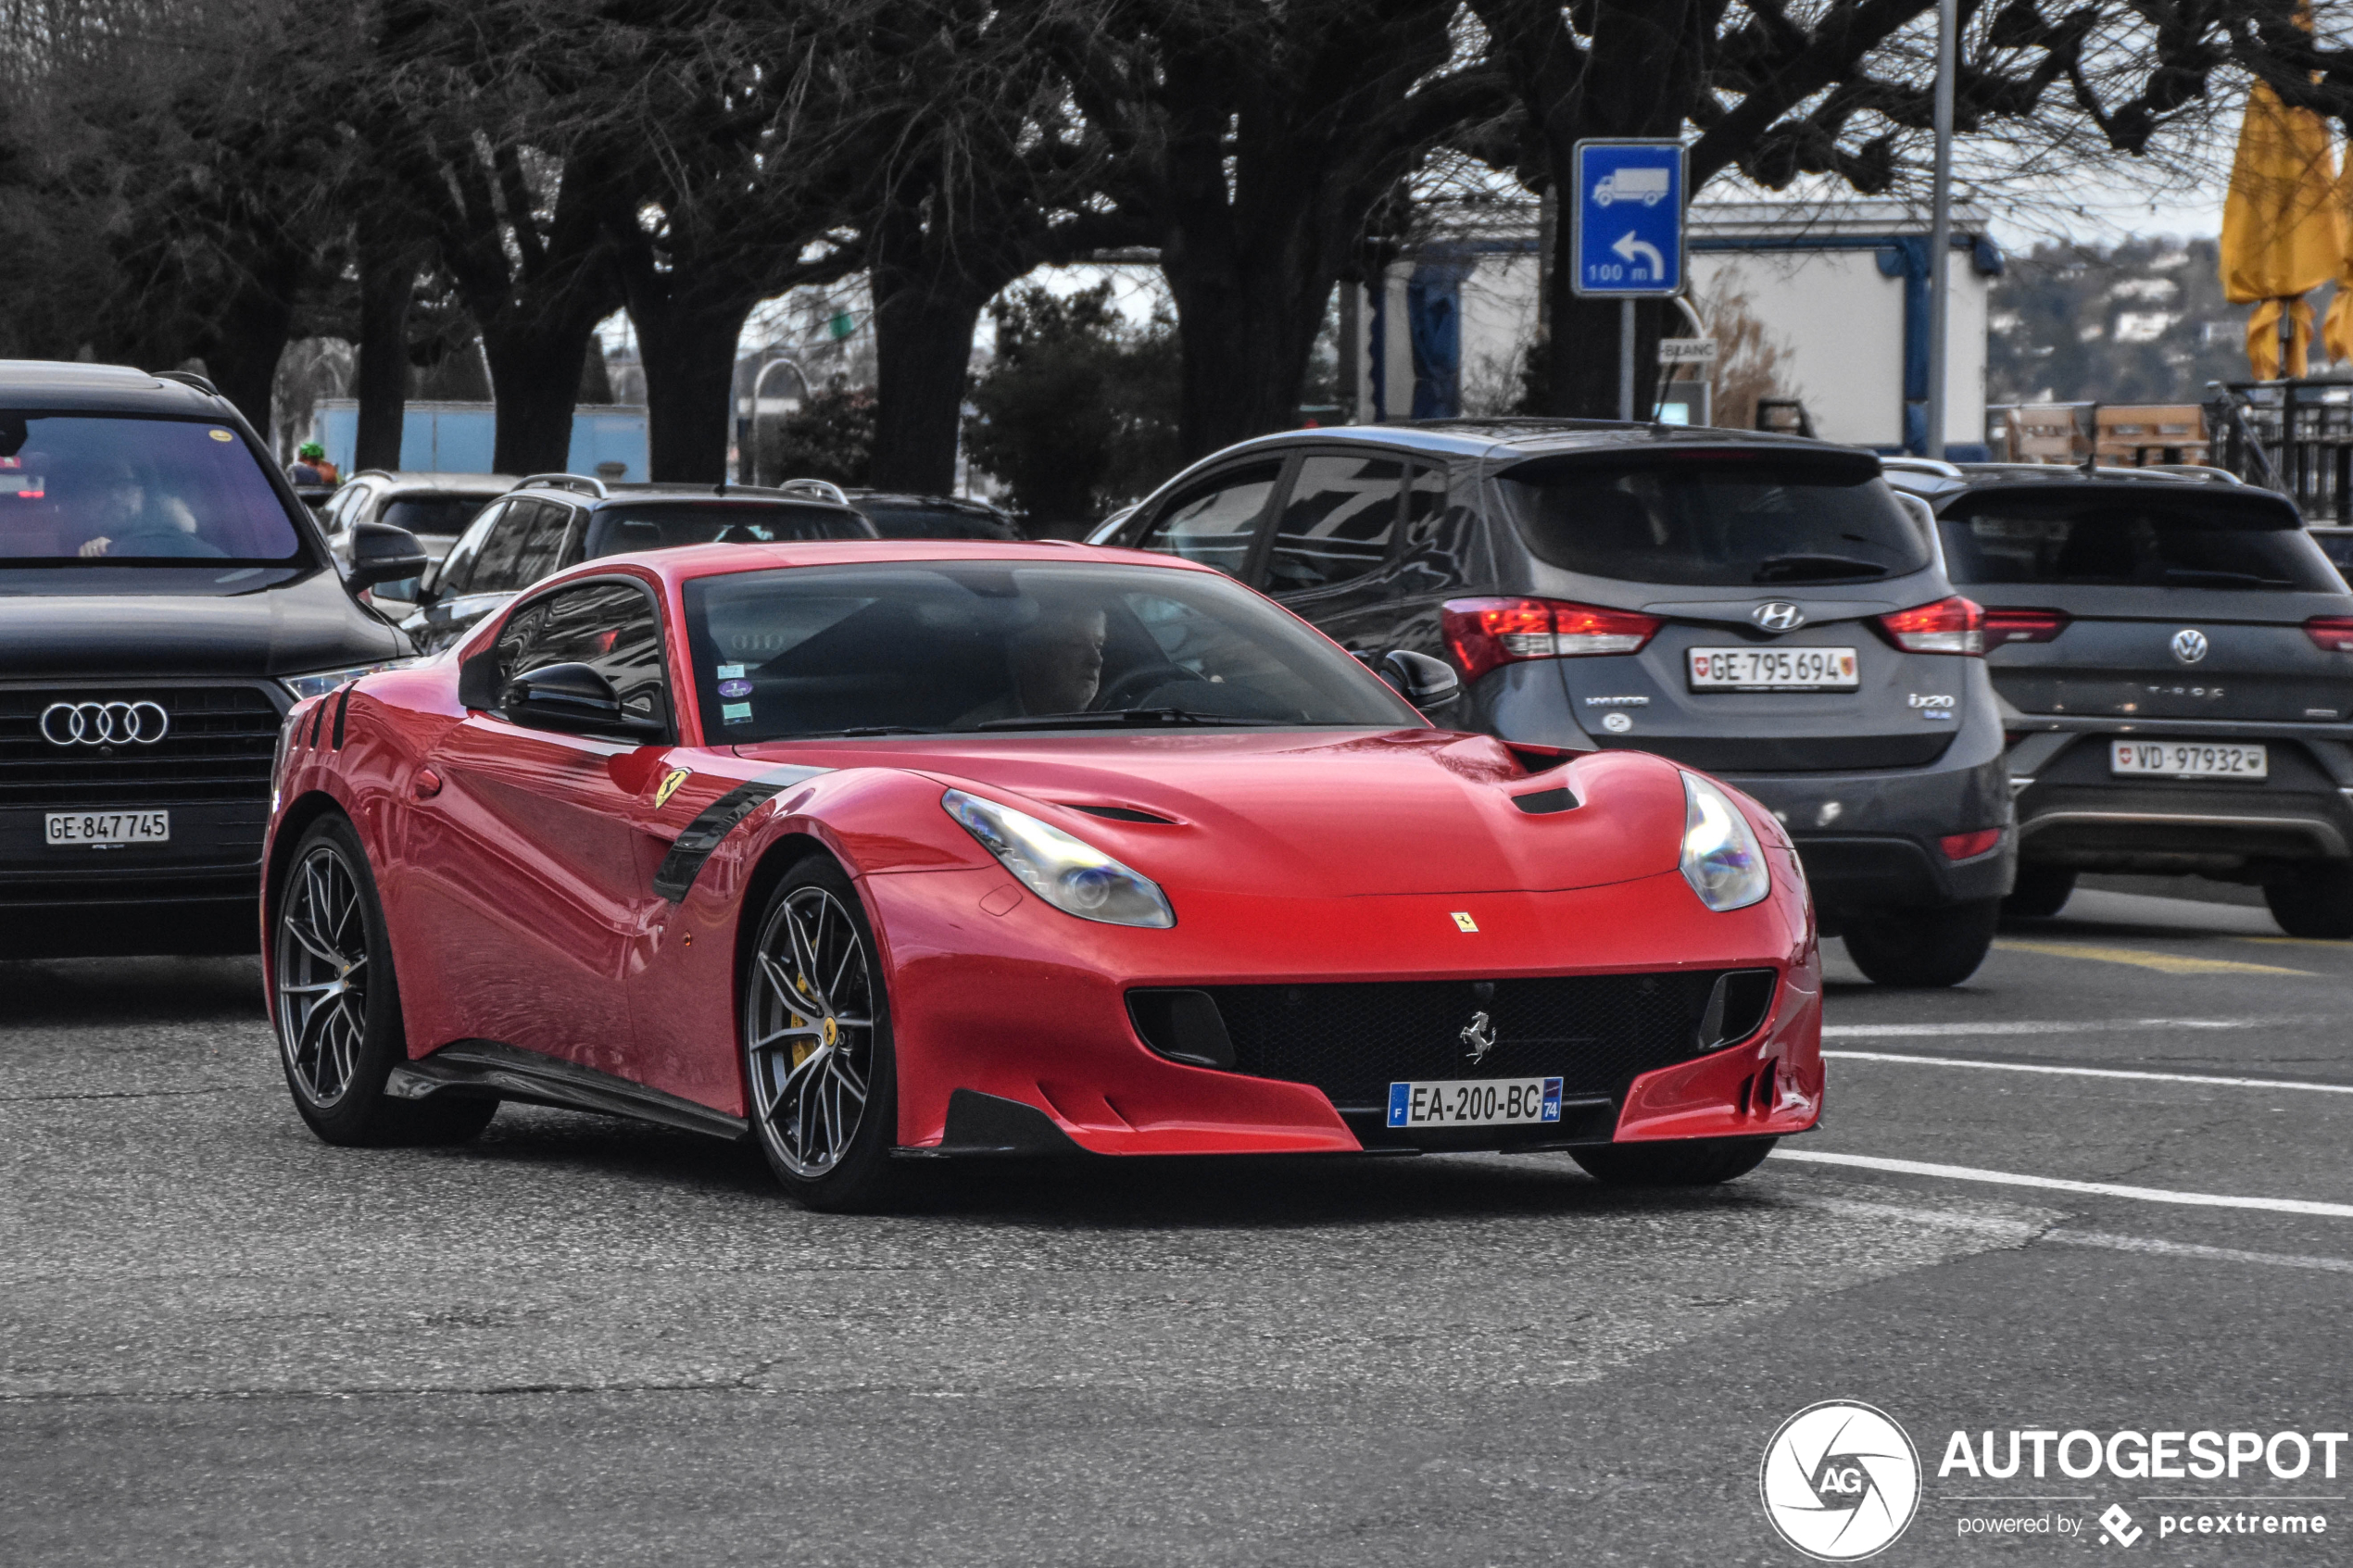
<point x="735" y="713"/>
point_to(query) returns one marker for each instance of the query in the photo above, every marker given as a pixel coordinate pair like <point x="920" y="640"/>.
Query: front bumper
<point x="1029" y="1008"/>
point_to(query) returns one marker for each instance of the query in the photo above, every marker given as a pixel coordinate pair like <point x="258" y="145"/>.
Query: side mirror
<point x="576" y="700"/>
<point x="1425" y="682"/>
<point x="380" y="553"/>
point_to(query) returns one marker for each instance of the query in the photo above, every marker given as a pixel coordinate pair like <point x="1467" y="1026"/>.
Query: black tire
<point x="2318" y="902"/>
<point x="338" y="1003"/>
<point x="2042" y="891"/>
<point x="1922" y="948"/>
<point x="824" y="1101"/>
<point x="1686" y="1162"/>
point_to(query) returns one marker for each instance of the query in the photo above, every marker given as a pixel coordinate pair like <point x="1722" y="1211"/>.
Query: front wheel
<point x="1688" y="1162"/>
<point x="338" y="1003"/>
<point x="816" y="1033"/>
<point x="2317" y="902"/>
<point x="1922" y="948"/>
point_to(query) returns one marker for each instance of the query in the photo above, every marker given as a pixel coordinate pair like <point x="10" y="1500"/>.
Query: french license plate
<point x="70" y="828"/>
<point x="1773" y="670"/>
<point x="1475" y="1102"/>
<point x="2188" y="759"/>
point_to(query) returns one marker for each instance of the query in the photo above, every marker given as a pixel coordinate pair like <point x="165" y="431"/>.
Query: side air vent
<point x="1183" y="1026"/>
<point x="1544" y="802"/>
<point x="1736" y="1007"/>
<point x="1121" y="814"/>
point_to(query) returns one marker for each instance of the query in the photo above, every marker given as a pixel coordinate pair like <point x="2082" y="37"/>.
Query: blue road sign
<point x="1630" y="218"/>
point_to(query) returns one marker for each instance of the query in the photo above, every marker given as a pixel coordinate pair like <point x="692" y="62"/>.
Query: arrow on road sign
<point x="1628" y="247"/>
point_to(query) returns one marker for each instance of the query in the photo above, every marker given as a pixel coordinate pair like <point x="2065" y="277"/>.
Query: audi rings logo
<point x="104" y="724"/>
<point x="1840" y="1481"/>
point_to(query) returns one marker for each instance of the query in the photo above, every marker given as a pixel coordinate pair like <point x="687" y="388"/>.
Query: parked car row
<point x="1951" y="686"/>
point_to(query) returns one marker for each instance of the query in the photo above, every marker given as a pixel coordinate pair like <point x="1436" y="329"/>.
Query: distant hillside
<point x="2141" y="322"/>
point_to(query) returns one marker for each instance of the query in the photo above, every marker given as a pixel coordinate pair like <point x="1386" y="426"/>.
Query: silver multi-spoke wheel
<point x="322" y="974"/>
<point x="809" y="1031"/>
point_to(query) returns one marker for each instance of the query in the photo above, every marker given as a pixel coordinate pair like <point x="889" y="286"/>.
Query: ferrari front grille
<point x="216" y="746"/>
<point x="1594" y="1032"/>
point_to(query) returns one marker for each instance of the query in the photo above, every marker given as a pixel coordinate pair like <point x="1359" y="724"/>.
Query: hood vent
<point x="1120" y="813"/>
<point x="1544" y="802"/>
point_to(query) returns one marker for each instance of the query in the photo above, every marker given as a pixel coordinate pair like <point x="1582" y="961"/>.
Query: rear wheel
<point x="2317" y="902"/>
<point x="338" y="1003"/>
<point x="816" y="1032"/>
<point x="1922" y="948"/>
<point x="1683" y="1163"/>
<point x="2041" y="891"/>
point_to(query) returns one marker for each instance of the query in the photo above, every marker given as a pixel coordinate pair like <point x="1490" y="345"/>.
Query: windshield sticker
<point x="222" y="435"/>
<point x="729" y="671"/>
<point x="735" y="713"/>
<point x="735" y="688"/>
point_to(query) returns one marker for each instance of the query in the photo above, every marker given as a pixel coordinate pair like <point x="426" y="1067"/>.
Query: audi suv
<point x="2173" y="658"/>
<point x="165" y="597"/>
<point x="1761" y="608"/>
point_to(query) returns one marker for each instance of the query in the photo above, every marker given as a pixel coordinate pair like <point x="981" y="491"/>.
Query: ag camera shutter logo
<point x="1840" y="1480"/>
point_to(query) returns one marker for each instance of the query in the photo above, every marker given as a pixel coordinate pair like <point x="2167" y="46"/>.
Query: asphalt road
<point x="584" y="1341"/>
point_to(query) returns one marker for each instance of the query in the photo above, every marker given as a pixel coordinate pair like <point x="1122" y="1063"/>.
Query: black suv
<point x="553" y="520"/>
<point x="164" y="599"/>
<point x="2174" y="658"/>
<point x="1761" y="608"/>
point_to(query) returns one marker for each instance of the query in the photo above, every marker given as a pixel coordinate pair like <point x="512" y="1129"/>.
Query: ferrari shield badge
<point x="1464" y="923"/>
<point x="670" y="783"/>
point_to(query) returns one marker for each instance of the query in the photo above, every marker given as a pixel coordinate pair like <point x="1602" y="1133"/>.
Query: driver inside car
<point x="126" y="518"/>
<point x="1055" y="664"/>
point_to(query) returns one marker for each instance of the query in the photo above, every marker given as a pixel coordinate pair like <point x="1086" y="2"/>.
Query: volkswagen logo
<point x="104" y="724"/>
<point x="1778" y="616"/>
<point x="2189" y="645"/>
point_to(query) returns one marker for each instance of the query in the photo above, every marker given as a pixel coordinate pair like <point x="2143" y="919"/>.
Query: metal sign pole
<point x="1940" y="235"/>
<point x="1626" y="359"/>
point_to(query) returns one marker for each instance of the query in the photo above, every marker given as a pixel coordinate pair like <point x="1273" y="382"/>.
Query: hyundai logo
<point x="2189" y="645"/>
<point x="1778" y="616"/>
<point x="104" y="724"/>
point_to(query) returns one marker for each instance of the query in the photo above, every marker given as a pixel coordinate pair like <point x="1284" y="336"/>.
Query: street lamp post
<point x="1940" y="231"/>
<point x="748" y="461"/>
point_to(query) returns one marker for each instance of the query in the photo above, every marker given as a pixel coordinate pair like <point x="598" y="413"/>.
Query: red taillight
<point x="1487" y="632"/>
<point x="2023" y="625"/>
<point x="1953" y="625"/>
<point x="1969" y="846"/>
<point x="2330" y="633"/>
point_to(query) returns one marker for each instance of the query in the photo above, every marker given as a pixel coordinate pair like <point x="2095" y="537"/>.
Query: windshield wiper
<point x="1115" y="718"/>
<point x="861" y="732"/>
<point x="1813" y="568"/>
<point x="2191" y="573"/>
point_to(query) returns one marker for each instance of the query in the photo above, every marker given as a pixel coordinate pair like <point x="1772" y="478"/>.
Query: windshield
<point x="667" y="524"/>
<point x="2197" y="539"/>
<point x="932" y="646"/>
<point x="83" y="488"/>
<point x="444" y="516"/>
<point x="1715" y="518"/>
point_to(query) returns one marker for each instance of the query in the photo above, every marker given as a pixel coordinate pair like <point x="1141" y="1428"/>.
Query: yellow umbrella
<point x="2280" y="228"/>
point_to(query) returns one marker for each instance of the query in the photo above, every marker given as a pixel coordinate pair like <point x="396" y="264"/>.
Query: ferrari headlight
<point x="1069" y="873"/>
<point x="1722" y="860"/>
<point x="318" y="683"/>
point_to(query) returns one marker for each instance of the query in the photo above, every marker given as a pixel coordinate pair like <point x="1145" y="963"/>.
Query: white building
<point x="1841" y="289"/>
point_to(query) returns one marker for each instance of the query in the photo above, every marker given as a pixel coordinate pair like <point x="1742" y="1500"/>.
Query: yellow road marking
<point x="2298" y="942"/>
<point x="2171" y="963"/>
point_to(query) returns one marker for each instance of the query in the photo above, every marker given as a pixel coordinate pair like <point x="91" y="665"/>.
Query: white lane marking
<point x="2106" y="1026"/>
<point x="2097" y="1072"/>
<point x="2185" y="1249"/>
<point x="2060" y="1184"/>
<point x="2022" y="1233"/>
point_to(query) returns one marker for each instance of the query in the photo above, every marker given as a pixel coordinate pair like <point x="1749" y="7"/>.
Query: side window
<point x="1215" y="521"/>
<point x="1425" y="505"/>
<point x="611" y="627"/>
<point x="543" y="548"/>
<point x="1337" y="523"/>
<point x="456" y="576"/>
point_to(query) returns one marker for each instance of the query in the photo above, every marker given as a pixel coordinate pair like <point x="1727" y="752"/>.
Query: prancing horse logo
<point x="1479" y="1037"/>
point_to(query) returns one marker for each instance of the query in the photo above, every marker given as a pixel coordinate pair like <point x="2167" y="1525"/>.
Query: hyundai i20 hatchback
<point x="1760" y="607"/>
<point x="2174" y="658"/>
